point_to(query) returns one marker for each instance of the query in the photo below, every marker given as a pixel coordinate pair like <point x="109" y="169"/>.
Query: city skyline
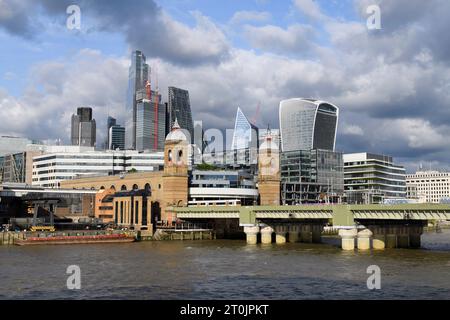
<point x="307" y="49"/>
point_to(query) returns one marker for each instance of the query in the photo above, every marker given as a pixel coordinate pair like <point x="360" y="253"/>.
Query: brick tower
<point x="175" y="177"/>
<point x="269" y="172"/>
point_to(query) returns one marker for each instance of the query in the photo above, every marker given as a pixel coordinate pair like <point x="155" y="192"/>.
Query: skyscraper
<point x="180" y="109"/>
<point x="83" y="131"/>
<point x="307" y="124"/>
<point x="138" y="75"/>
<point x="150" y="121"/>
<point x="109" y="123"/>
<point x="245" y="133"/>
<point x="116" y="136"/>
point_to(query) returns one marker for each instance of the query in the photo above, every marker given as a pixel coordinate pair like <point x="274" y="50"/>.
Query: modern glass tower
<point x="138" y="75"/>
<point x="307" y="124"/>
<point x="116" y="137"/>
<point x="150" y="121"/>
<point x="245" y="133"/>
<point x="180" y="109"/>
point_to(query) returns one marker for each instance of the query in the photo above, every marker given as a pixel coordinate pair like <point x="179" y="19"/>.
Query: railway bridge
<point x="370" y="226"/>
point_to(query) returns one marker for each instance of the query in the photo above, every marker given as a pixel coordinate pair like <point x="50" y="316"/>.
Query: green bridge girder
<point x="340" y="215"/>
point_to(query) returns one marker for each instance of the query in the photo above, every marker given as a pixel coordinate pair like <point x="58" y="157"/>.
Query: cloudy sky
<point x="392" y="85"/>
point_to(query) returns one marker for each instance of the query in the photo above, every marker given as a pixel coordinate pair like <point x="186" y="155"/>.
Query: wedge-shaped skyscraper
<point x="245" y="133"/>
<point x="307" y="124"/>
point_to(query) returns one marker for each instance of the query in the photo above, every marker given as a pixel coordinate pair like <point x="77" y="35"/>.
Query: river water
<point x="225" y="269"/>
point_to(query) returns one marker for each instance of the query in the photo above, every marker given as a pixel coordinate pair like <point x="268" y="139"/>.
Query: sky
<point x="392" y="84"/>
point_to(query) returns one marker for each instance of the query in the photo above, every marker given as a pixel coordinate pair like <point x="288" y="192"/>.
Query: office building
<point x="61" y="163"/>
<point x="307" y="124"/>
<point x="372" y="178"/>
<point x="150" y="121"/>
<point x="17" y="167"/>
<point x="311" y="176"/>
<point x="83" y="131"/>
<point x="428" y="186"/>
<point x="116" y="138"/>
<point x="245" y="134"/>
<point x="138" y="76"/>
<point x="222" y="187"/>
<point x="109" y="123"/>
<point x="180" y="108"/>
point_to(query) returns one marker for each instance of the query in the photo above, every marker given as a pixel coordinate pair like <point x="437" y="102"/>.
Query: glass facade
<point x="116" y="137"/>
<point x="150" y="123"/>
<point x="138" y="75"/>
<point x="371" y="178"/>
<point x="245" y="134"/>
<point x="307" y="124"/>
<point x="179" y="107"/>
<point x="311" y="176"/>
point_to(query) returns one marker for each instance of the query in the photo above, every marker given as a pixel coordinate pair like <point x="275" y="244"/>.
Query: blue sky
<point x="392" y="85"/>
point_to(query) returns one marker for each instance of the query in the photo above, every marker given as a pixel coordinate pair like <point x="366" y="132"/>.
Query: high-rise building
<point x="83" y="128"/>
<point x="138" y="75"/>
<point x="372" y="178"/>
<point x="150" y="121"/>
<point x="307" y="124"/>
<point x="180" y="109"/>
<point x="116" y="137"/>
<point x="245" y="133"/>
<point x="109" y="123"/>
<point x="311" y="176"/>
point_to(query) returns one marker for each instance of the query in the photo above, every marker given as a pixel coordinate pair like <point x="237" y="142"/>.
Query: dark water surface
<point x="225" y="269"/>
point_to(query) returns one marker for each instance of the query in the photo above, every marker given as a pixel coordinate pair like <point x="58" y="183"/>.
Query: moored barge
<point x="83" y="239"/>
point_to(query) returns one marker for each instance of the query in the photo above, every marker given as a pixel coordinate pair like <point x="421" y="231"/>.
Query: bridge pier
<point x="415" y="233"/>
<point x="266" y="235"/>
<point x="252" y="234"/>
<point x="306" y="233"/>
<point x="396" y="236"/>
<point x="348" y="238"/>
<point x="316" y="233"/>
<point x="293" y="233"/>
<point x="280" y="234"/>
<point x="364" y="239"/>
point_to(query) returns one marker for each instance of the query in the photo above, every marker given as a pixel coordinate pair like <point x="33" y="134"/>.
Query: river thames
<point x="226" y="269"/>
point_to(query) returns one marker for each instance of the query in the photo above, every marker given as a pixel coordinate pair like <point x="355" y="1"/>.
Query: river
<point x="225" y="269"/>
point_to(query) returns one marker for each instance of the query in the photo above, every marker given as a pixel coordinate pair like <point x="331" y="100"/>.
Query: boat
<point x="111" y="238"/>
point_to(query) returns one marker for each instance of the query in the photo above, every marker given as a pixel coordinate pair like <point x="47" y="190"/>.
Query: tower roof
<point x="176" y="134"/>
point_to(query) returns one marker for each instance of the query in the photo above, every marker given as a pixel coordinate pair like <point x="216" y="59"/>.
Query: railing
<point x="183" y="225"/>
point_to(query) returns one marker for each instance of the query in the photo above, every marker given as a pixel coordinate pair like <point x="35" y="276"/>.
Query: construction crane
<point x="257" y="112"/>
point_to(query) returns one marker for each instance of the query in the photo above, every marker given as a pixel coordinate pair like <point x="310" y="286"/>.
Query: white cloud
<point x="250" y="16"/>
<point x="310" y="8"/>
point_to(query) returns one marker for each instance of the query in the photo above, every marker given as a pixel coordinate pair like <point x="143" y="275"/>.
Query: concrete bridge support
<point x="316" y="233"/>
<point x="348" y="238"/>
<point x="306" y="233"/>
<point x="280" y="232"/>
<point x="396" y="236"/>
<point x="293" y="233"/>
<point x="266" y="235"/>
<point x="364" y="239"/>
<point x="252" y="234"/>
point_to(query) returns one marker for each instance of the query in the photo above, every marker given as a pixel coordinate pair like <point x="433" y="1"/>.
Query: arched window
<point x="179" y="155"/>
<point x="102" y="188"/>
<point x="123" y="188"/>
<point x="169" y="155"/>
<point x="113" y="188"/>
<point x="135" y="187"/>
<point x="148" y="188"/>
